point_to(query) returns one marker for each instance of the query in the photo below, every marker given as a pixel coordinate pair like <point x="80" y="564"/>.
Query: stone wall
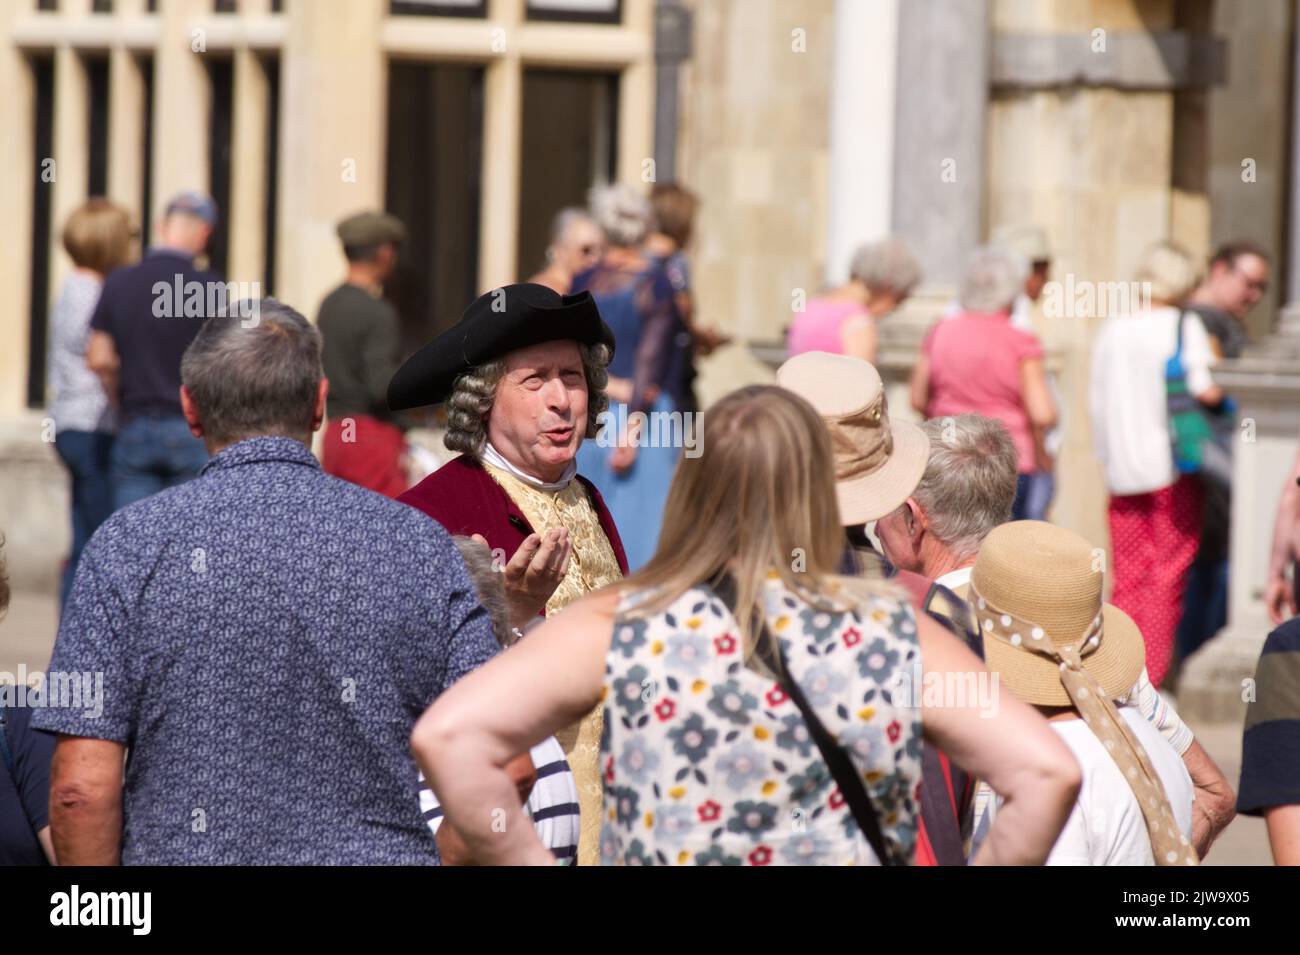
<point x="33" y="505"/>
<point x="753" y="143"/>
<point x="1109" y="168"/>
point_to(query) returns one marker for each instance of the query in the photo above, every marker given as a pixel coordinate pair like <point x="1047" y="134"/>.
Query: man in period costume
<point x="523" y="378"/>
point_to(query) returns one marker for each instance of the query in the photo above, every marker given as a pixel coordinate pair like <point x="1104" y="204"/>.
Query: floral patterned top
<point x="707" y="761"/>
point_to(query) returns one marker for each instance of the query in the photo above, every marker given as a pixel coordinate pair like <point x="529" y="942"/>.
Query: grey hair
<point x="473" y="392"/>
<point x="969" y="484"/>
<point x="622" y="212"/>
<point x="486" y="578"/>
<point x="993" y="279"/>
<point x="886" y="266"/>
<point x="250" y="379"/>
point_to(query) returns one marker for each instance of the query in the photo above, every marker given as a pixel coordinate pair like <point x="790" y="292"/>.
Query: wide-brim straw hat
<point x="1038" y="586"/>
<point x="878" y="462"/>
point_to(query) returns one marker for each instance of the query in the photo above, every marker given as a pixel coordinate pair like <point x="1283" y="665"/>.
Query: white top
<point x="77" y="399"/>
<point x="1130" y="423"/>
<point x="1106" y="826"/>
<point x="954" y="580"/>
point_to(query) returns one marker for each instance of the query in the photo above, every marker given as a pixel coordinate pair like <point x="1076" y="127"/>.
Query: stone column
<point x="247" y="174"/>
<point x="333" y="104"/>
<point x="126" y="112"/>
<point x="503" y="103"/>
<point x="672" y="48"/>
<point x="1293" y="218"/>
<point x="861" y="168"/>
<point x="636" y="100"/>
<point x="1265" y="381"/>
<point x="17" y="186"/>
<point x="938" y="165"/>
<point x="943" y="56"/>
<point x="126" y="132"/>
<point x="182" y="103"/>
<point x="71" y="145"/>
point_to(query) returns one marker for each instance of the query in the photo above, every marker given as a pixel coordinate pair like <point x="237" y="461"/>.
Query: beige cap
<point x="371" y="228"/>
<point x="878" y="462"/>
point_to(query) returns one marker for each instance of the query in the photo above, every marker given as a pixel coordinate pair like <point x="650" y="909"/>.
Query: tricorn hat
<point x="497" y="322"/>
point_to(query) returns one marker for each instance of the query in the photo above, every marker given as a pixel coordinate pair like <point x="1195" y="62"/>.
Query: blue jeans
<point x="151" y="454"/>
<point x="86" y="456"/>
<point x="1205" y="605"/>
<point x="1033" y="496"/>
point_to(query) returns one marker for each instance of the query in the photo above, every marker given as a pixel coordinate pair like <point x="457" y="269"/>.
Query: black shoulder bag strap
<point x="836" y="759"/>
<point x="5" y="752"/>
<point x="8" y="755"/>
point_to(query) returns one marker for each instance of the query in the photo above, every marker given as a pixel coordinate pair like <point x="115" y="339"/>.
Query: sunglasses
<point x="1255" y="285"/>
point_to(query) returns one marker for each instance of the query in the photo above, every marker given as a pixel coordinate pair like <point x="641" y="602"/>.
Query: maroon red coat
<point x="464" y="498"/>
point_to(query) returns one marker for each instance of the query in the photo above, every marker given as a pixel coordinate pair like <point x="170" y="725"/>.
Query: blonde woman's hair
<point x="759" y="499"/>
<point x="97" y="235"/>
<point x="1169" y="271"/>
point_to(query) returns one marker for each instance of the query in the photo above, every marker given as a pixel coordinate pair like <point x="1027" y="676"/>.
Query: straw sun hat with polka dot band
<point x="1041" y="590"/>
<point x="1036" y="592"/>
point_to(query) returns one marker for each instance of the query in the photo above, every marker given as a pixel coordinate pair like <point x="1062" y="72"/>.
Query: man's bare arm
<point x="1284" y="834"/>
<point x="103" y="360"/>
<point x="86" y="801"/>
<point x="1214" y="804"/>
<point x="1279" y="596"/>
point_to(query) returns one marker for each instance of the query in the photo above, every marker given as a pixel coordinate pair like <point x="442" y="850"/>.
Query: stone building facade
<point x="807" y="126"/>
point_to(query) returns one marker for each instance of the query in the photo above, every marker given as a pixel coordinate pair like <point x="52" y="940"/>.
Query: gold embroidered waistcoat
<point x="592" y="565"/>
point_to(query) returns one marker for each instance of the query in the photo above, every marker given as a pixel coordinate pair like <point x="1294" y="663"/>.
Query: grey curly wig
<point x="474" y="391"/>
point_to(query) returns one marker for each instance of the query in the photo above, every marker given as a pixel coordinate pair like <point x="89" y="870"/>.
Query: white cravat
<point x="493" y="457"/>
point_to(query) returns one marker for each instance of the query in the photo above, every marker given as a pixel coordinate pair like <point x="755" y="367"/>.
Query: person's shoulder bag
<point x="837" y="760"/>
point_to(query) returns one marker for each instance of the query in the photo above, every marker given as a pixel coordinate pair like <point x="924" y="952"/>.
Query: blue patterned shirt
<point x="268" y="636"/>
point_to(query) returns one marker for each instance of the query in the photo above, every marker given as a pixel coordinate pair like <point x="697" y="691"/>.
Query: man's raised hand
<point x="534" y="572"/>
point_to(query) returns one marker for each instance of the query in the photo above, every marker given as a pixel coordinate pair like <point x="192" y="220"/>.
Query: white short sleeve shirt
<point x="1106" y="826"/>
<point x="1130" y="421"/>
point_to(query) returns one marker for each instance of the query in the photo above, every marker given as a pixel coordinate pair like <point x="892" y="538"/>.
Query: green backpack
<point x="1189" y="425"/>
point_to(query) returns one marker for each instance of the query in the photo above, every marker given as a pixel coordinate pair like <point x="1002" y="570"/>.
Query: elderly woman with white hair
<point x="1154" y="511"/>
<point x="978" y="362"/>
<point x="843" y="320"/>
<point x="636" y="298"/>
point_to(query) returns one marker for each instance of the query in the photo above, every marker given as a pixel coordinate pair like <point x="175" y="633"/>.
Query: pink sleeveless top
<point x="819" y="327"/>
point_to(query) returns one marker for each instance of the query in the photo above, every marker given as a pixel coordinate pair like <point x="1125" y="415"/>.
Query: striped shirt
<point x="1270" y="749"/>
<point x="552" y="805"/>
